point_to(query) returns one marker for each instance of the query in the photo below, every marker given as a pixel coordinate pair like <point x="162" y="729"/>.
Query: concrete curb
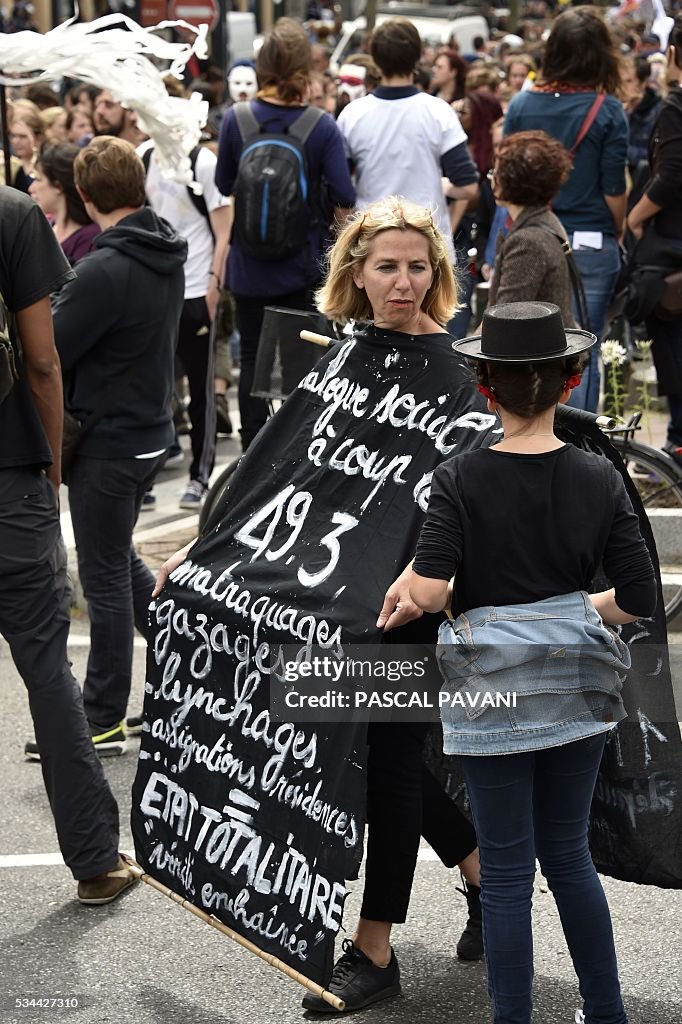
<point x="153" y="543"/>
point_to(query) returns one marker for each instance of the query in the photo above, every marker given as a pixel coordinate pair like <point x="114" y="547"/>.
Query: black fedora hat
<point x="524" y="332"/>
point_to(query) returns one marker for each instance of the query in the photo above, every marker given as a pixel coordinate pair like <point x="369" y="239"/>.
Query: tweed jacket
<point x="530" y="264"/>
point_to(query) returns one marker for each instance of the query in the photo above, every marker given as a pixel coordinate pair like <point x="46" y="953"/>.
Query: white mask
<point x="242" y="83"/>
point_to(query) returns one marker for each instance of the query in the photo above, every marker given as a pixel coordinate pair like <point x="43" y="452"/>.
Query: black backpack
<point x="274" y="202"/>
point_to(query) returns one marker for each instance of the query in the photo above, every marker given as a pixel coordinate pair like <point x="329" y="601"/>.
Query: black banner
<point x="257" y="821"/>
<point x="260" y="821"/>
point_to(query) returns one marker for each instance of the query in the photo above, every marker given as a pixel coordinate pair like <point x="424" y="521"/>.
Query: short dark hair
<point x="675" y="39"/>
<point x="42" y="94"/>
<point x="530" y="168"/>
<point x="396" y="47"/>
<point x="56" y="163"/>
<point x="285" y="60"/>
<point x="111" y="174"/>
<point x="528" y="389"/>
<point x="581" y="50"/>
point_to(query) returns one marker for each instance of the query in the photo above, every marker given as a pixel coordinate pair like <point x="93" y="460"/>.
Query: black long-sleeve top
<point x="665" y="187"/>
<point x="515" y="528"/>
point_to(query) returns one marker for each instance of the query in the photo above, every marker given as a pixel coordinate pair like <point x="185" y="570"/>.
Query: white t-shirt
<point x="172" y="202"/>
<point x="396" y="146"/>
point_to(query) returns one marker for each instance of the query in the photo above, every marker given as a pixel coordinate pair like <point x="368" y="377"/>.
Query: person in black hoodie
<point x="659" y="213"/>
<point x="115" y="328"/>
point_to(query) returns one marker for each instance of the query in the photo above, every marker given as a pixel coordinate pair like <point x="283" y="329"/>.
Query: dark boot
<point x="470" y="945"/>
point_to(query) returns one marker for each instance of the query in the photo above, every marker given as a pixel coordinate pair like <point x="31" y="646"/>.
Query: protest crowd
<point x="483" y="214"/>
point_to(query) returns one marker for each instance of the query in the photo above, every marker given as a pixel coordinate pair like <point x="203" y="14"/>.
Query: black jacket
<point x="124" y="306"/>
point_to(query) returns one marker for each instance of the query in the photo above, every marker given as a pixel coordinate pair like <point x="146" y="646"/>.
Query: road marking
<point x="41" y="860"/>
<point x="50" y="860"/>
<point x="83" y="640"/>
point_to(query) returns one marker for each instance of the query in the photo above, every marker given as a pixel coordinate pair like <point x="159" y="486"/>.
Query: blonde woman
<point x="26" y="136"/>
<point x="389" y="270"/>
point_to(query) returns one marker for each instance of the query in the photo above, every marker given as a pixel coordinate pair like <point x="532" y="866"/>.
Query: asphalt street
<point x="143" y="960"/>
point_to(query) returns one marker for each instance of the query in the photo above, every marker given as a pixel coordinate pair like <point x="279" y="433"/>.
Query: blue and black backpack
<point x="274" y="202"/>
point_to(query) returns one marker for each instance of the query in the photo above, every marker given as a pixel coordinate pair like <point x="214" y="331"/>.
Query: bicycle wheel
<point x="215" y="493"/>
<point x="659" y="484"/>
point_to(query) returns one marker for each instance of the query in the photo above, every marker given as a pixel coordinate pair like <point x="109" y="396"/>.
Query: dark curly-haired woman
<point x="530" y="262"/>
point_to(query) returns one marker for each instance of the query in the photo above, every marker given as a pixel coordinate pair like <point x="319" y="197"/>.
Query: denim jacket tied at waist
<point x="529" y="676"/>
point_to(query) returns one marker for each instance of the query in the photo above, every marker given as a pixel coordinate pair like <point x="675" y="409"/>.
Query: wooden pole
<point x="273" y="961"/>
<point x="316" y="339"/>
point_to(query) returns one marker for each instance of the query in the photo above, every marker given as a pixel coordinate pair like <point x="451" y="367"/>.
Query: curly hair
<point x="581" y="50"/>
<point x="285" y="61"/>
<point x="340" y="298"/>
<point x="527" y="389"/>
<point x="530" y="169"/>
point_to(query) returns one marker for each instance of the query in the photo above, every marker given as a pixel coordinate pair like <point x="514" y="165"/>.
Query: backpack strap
<point x="198" y="201"/>
<point x="302" y="127"/>
<point x="246" y="120"/>
<point x="576" y="280"/>
<point x="590" y="117"/>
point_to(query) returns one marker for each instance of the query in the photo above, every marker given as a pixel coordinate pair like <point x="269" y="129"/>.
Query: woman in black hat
<point x="531" y="670"/>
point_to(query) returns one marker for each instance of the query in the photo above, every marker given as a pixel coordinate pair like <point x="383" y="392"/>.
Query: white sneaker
<point x="579" y="1017"/>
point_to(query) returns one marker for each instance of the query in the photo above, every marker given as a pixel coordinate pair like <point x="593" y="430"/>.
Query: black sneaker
<point x="109" y="741"/>
<point x="134" y="725"/>
<point x="357" y="981"/>
<point x="223" y="421"/>
<point x="31" y="750"/>
<point x="470" y="945"/>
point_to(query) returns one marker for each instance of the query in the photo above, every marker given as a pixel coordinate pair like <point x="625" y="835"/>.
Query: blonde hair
<point x="339" y="298"/>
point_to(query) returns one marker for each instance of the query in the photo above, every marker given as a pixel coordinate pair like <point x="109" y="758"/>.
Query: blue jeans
<point x="537" y="805"/>
<point x="599" y="272"/>
<point x="104" y="498"/>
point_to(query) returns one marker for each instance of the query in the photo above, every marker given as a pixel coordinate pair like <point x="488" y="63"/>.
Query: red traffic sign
<point x="196" y="12"/>
<point x="153" y="12"/>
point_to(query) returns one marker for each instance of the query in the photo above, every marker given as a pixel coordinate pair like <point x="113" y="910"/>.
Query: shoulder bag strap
<point x="588" y="122"/>
<point x="576" y="280"/>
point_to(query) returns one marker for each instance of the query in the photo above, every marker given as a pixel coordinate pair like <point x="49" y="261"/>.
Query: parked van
<point x="241" y="34"/>
<point x="433" y="31"/>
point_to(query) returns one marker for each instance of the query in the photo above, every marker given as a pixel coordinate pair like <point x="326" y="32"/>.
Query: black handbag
<point x="71" y="438"/>
<point x="651" y="280"/>
<point x="8" y="368"/>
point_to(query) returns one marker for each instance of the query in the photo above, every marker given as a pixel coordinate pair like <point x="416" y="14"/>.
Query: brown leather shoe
<point x="106" y="887"/>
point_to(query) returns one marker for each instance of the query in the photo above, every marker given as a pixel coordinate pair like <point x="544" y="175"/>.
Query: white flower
<point x="644" y="347"/>
<point x="612" y="352"/>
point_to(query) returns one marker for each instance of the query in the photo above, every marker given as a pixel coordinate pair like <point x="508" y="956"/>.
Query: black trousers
<point x="404" y="802"/>
<point x="253" y="412"/>
<point x="105" y="497"/>
<point x="35" y="603"/>
<point x="195" y="351"/>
